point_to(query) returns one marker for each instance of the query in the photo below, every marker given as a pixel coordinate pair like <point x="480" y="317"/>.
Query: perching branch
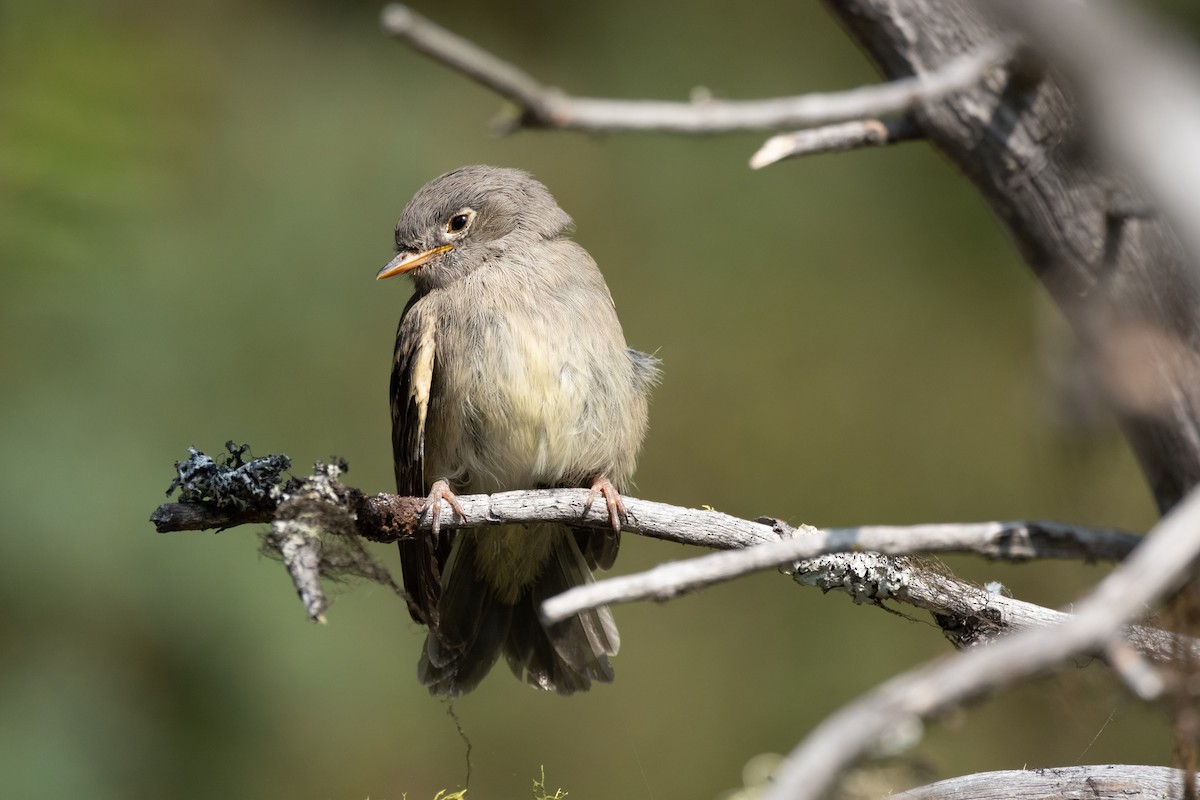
<point x="388" y="517"/>
<point x="1156" y="568"/>
<point x="317" y="526"/>
<point x="540" y="106"/>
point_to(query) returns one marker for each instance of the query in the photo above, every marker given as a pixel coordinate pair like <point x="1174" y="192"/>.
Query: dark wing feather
<point x="599" y="546"/>
<point x="411" y="390"/>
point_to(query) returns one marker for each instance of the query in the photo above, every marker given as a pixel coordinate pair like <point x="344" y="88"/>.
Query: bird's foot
<point x="612" y="498"/>
<point x="433" y="505"/>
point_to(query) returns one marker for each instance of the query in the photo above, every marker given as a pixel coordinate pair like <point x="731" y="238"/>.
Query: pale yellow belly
<point x="512" y="557"/>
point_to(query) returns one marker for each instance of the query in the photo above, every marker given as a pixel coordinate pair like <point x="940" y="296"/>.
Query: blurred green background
<point x="194" y="199"/>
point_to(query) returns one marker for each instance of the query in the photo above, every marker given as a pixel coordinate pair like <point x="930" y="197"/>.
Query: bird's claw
<point x="433" y="505"/>
<point x="612" y="498"/>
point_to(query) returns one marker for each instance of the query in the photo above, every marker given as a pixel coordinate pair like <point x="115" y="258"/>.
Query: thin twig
<point x="544" y="107"/>
<point x="1143" y="678"/>
<point x="1153" y="570"/>
<point x="835" y="138"/>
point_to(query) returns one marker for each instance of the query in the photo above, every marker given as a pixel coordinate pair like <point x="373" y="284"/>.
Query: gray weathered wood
<point x="1091" y="782"/>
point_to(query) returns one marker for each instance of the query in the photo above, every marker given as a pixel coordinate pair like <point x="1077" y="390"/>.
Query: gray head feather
<point x="514" y="201"/>
<point x="505" y="207"/>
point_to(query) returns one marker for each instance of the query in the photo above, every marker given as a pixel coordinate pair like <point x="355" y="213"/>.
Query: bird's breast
<point x="525" y="395"/>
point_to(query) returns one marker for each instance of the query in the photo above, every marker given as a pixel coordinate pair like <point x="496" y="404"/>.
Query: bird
<point x="510" y="371"/>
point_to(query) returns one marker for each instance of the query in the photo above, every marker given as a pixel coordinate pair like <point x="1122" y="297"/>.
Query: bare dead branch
<point x="388" y="517"/>
<point x="1097" y="781"/>
<point x="1154" y="569"/>
<point x="543" y="107"/>
<point x="967" y="613"/>
<point x="835" y="138"/>
<point x="1007" y="540"/>
<point x="173" y="517"/>
<point x="317" y="505"/>
<point x="297" y="544"/>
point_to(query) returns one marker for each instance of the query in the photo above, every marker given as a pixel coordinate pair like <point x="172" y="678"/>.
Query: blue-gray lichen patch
<point x="231" y="482"/>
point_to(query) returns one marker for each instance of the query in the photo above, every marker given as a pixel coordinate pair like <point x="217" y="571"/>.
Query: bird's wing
<point x="412" y="387"/>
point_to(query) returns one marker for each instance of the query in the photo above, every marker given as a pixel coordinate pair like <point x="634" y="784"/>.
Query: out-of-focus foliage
<point x="194" y="198"/>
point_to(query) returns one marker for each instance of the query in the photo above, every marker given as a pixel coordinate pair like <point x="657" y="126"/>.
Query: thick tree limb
<point x="1095" y="782"/>
<point x="1153" y="570"/>
<point x="1123" y="282"/>
<point x="544" y="107"/>
<point x="1142" y="95"/>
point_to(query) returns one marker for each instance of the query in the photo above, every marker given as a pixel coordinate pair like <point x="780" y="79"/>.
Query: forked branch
<point x="540" y="106"/>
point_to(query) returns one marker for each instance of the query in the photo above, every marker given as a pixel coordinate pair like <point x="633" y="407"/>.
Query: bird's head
<point x="459" y="222"/>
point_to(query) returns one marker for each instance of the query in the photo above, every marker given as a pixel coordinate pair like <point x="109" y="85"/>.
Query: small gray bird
<point x="511" y="372"/>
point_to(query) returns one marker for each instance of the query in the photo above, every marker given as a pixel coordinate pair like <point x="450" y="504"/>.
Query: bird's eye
<point x="457" y="223"/>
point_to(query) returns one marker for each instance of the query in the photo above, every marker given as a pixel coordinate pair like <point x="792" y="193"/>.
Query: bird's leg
<point x="616" y="507"/>
<point x="433" y="505"/>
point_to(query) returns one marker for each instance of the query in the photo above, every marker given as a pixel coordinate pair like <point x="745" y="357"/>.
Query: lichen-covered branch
<point x="968" y="614"/>
<point x="318" y="524"/>
<point x="1014" y="541"/>
<point x="388" y="517"/>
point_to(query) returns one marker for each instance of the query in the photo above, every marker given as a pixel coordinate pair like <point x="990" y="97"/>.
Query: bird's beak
<point x="407" y="259"/>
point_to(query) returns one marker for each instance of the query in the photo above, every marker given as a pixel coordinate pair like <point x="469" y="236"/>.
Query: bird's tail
<point x="476" y="626"/>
